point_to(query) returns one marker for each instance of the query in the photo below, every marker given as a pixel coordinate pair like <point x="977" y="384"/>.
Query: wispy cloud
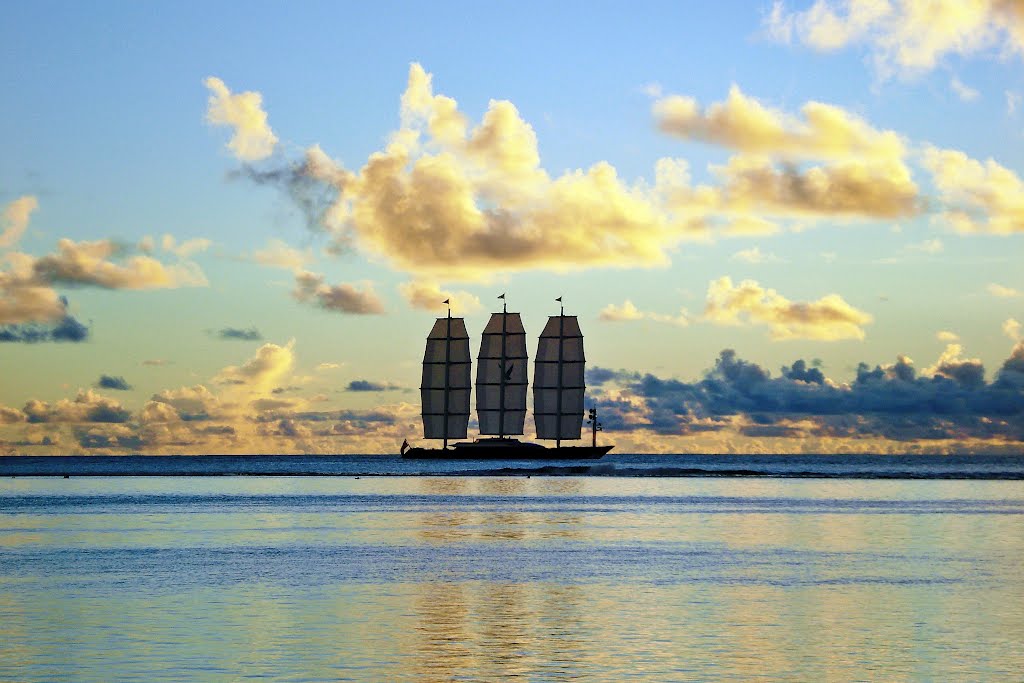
<point x="1002" y="291"/>
<point x="628" y="312"/>
<point x="964" y="92"/>
<point x="14" y="220"/>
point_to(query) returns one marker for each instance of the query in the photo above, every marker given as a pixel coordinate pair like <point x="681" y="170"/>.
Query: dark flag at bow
<point x="405" y="446"/>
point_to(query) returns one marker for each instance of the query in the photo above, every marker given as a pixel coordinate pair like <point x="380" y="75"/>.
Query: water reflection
<point x="513" y="578"/>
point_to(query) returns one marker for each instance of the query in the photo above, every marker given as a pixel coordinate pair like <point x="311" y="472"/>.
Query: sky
<point x="784" y="226"/>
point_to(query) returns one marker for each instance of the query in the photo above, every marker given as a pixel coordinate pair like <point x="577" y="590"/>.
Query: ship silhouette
<point x="501" y="387"/>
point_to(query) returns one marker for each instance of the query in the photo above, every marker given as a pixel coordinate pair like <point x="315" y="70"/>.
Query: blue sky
<point x="891" y="227"/>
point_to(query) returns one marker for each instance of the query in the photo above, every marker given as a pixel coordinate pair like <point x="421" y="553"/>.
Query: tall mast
<point x="445" y="388"/>
<point x="558" y="379"/>
<point x="501" y="378"/>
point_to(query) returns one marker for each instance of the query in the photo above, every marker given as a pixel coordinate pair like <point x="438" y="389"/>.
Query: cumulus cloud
<point x="863" y="175"/>
<point x="87" y="406"/>
<point x="14" y="219"/>
<point x="628" y="311"/>
<point x="27" y="291"/>
<point x="829" y="318"/>
<point x="978" y="197"/>
<point x="343" y="298"/>
<point x="243" y="112"/>
<point x="891" y="402"/>
<point x="115" y="382"/>
<point x="906" y="37"/>
<point x="967" y="371"/>
<point x="947" y="336"/>
<point x="446" y="199"/>
<point x="263" y="371"/>
<point x="854" y="188"/>
<point x="91" y="263"/>
<point x="187" y="403"/>
<point x="429" y="296"/>
<point x="743" y="123"/>
<point x="66" y="329"/>
<point x="236" y="333"/>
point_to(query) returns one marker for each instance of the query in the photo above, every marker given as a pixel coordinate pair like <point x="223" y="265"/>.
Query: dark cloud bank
<point x="890" y="402"/>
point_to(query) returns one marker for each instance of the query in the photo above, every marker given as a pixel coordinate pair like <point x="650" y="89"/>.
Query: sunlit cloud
<point x="429" y="296"/>
<point x="828" y="319"/>
<point x="14" y="220"/>
<point x="263" y="371"/>
<point x="1002" y="291"/>
<point x="243" y="112"/>
<point x="185" y="249"/>
<point x="1011" y="328"/>
<point x="947" y="336"/>
<point x="343" y="298"/>
<point x="448" y="200"/>
<point x="979" y="197"/>
<point x="745" y="124"/>
<point x="278" y="254"/>
<point x="906" y="37"/>
<point x="629" y="312"/>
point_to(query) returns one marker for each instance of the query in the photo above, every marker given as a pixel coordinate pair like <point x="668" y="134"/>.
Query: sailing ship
<point x="501" y="387"/>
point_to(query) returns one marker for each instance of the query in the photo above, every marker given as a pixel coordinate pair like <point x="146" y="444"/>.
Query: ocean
<point x="666" y="568"/>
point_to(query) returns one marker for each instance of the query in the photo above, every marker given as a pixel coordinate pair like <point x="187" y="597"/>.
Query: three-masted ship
<point x="501" y="388"/>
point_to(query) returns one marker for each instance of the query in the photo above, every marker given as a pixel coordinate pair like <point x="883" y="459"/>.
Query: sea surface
<point x="466" y="577"/>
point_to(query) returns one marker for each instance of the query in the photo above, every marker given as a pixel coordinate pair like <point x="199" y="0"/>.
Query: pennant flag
<point x="558" y="299"/>
<point x="502" y="296"/>
<point x="447" y="300"/>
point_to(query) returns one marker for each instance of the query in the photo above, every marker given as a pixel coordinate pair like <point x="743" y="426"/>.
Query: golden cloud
<point x="252" y="140"/>
<point x="980" y="197"/>
<point x="908" y="36"/>
<point x="829" y="318"/>
<point x="449" y="201"/>
<point x="429" y="296"/>
<point x="876" y="189"/>
<point x="88" y="263"/>
<point x="743" y="123"/>
<point x="629" y="312"/>
<point x="263" y="371"/>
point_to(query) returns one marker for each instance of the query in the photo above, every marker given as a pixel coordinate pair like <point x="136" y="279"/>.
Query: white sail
<point x="558" y="383"/>
<point x="501" y="376"/>
<point x="445" y="388"/>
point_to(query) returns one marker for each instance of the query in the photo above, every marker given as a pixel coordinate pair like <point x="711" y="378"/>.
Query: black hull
<point x="506" y="450"/>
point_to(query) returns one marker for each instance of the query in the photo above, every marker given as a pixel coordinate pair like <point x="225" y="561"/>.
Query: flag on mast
<point x="447" y="300"/>
<point x="502" y="296"/>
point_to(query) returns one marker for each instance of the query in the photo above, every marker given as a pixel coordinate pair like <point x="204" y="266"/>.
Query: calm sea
<point x="595" y="577"/>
